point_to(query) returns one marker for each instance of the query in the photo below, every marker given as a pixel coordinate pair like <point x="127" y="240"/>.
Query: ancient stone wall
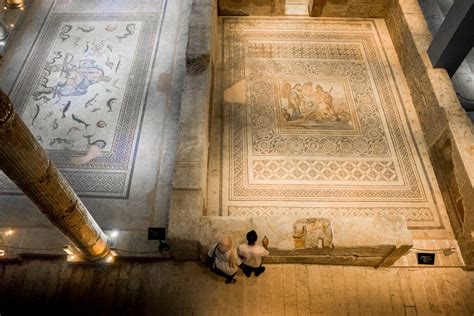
<point x="445" y="124"/>
<point x="190" y="176"/>
<point x="329" y="8"/>
<point x="350" y="8"/>
<point x="251" y="7"/>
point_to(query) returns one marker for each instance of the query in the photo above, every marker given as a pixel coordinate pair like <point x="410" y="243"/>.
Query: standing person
<point x="226" y="261"/>
<point x="252" y="254"/>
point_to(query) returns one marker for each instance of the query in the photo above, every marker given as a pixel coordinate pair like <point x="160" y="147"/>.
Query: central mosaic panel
<point x="323" y="130"/>
<point x="312" y="105"/>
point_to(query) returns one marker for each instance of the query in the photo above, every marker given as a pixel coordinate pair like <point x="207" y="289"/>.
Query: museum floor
<point x="169" y="288"/>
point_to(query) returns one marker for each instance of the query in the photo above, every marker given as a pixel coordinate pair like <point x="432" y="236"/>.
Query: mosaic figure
<point x="76" y="78"/>
<point x="303" y="103"/>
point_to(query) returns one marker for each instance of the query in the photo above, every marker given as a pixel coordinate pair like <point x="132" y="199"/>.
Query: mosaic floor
<point x="82" y="91"/>
<point x="323" y="125"/>
<point x="99" y="85"/>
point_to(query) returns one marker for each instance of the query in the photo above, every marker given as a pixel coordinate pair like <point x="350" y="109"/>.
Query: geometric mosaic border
<point x="278" y="52"/>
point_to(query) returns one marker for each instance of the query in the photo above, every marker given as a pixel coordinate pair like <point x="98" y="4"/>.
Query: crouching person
<point x="251" y="254"/>
<point x="226" y="262"/>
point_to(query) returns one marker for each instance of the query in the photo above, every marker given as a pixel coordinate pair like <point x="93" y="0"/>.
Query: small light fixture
<point x="2" y="253"/>
<point x="9" y="232"/>
<point x="71" y="256"/>
<point x="12" y="25"/>
<point x="68" y="250"/>
<point x="111" y="257"/>
<point x="114" y="234"/>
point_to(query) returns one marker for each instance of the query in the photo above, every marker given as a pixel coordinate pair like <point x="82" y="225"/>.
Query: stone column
<point x="26" y="163"/>
<point x="15" y="4"/>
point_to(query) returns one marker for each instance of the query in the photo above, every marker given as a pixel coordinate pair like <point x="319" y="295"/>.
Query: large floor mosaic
<point x="324" y="130"/>
<point x="82" y="91"/>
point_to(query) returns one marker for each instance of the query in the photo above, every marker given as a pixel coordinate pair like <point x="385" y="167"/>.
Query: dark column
<point x="26" y="163"/>
<point x="455" y="37"/>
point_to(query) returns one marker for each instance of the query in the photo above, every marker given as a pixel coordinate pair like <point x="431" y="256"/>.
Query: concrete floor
<point x="170" y="288"/>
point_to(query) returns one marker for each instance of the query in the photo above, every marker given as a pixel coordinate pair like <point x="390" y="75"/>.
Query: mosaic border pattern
<point x="410" y="213"/>
<point x="85" y="5"/>
<point x="415" y="190"/>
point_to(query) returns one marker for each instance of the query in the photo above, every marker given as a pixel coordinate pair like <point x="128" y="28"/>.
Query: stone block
<point x="422" y="43"/>
<point x="191" y="144"/>
<point x="325" y="260"/>
<point x="195" y="106"/>
<point x="251" y="7"/>
<point x="188" y="175"/>
<point x="183" y="227"/>
<point x="358" y="241"/>
<point x="197" y="63"/>
<point x="371" y="230"/>
<point x="198" y="81"/>
<point x="201" y="13"/>
<point x="417" y="24"/>
<point x="410" y="6"/>
<point x="379" y="10"/>
<point x="334" y="10"/>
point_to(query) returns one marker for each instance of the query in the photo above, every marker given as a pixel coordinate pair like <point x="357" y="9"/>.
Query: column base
<point x="17" y="5"/>
<point x="107" y="260"/>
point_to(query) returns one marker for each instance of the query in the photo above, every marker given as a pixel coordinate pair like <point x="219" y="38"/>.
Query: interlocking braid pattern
<point x="6" y="108"/>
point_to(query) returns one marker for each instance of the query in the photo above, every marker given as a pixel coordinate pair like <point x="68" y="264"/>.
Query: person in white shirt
<point x="226" y="261"/>
<point x="251" y="254"/>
